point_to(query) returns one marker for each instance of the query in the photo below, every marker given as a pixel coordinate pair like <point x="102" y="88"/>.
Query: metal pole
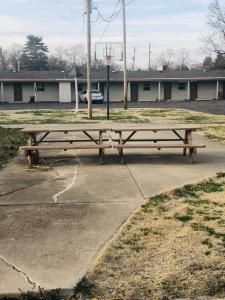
<point x="76" y="95"/>
<point x="125" y="54"/>
<point x="149" y="57"/>
<point x="89" y="98"/>
<point x="35" y="91"/>
<point x="108" y="71"/>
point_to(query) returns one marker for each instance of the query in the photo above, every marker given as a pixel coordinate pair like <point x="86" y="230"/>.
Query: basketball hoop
<point x="108" y="58"/>
<point x="108" y="51"/>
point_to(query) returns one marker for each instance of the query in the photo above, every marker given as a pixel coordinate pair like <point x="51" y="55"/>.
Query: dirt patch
<point x="173" y="247"/>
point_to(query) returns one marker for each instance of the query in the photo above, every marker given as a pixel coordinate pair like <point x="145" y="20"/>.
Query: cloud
<point x="166" y="24"/>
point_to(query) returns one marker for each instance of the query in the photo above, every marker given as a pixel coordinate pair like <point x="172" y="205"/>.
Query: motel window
<point x="80" y="87"/>
<point x="40" y="87"/>
<point x="181" y="86"/>
<point x="147" y="86"/>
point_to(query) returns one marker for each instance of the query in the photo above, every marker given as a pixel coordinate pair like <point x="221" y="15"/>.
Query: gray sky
<point x="165" y="23"/>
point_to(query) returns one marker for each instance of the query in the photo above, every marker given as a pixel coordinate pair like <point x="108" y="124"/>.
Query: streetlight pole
<point x="125" y="54"/>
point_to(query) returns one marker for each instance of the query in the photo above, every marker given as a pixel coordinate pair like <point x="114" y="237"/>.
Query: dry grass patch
<point x="67" y="116"/>
<point x="215" y="133"/>
<point x="173" y="247"/>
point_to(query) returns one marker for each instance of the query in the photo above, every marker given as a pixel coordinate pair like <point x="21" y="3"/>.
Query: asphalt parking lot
<point x="213" y="106"/>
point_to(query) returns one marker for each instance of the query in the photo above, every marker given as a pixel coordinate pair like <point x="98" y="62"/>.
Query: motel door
<point x="134" y="91"/>
<point x="18" y="93"/>
<point x="193" y="91"/>
<point x="101" y="87"/>
<point x="167" y="91"/>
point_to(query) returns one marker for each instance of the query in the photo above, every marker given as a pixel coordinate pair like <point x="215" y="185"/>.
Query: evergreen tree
<point x="220" y="61"/>
<point x="34" y="56"/>
<point x="208" y="63"/>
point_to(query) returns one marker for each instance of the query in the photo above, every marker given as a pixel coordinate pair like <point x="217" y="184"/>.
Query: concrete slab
<point x="55" y="244"/>
<point x="157" y="172"/>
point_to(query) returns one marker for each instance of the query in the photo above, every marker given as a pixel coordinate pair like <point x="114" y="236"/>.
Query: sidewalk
<point x="52" y="245"/>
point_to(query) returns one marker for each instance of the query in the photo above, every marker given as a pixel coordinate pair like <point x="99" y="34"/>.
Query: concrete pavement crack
<point x="31" y="282"/>
<point x="136" y="183"/>
<point x="20" y="189"/>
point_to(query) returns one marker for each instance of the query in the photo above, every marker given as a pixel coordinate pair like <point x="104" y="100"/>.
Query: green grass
<point x="10" y="140"/>
<point x="183" y="218"/>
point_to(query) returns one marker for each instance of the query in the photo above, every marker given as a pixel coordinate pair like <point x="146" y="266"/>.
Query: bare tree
<point x="57" y="60"/>
<point x="12" y="56"/>
<point x="215" y="41"/>
<point x="76" y="56"/>
<point x="182" y="59"/>
<point x="166" y="59"/>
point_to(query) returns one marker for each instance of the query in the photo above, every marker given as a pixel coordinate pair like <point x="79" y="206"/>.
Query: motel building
<point x="30" y="86"/>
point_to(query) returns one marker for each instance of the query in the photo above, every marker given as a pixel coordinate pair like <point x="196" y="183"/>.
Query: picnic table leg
<point x="185" y="142"/>
<point x="101" y="151"/>
<point x="32" y="156"/>
<point x="191" y="150"/>
<point x="121" y="149"/>
<point x="29" y="158"/>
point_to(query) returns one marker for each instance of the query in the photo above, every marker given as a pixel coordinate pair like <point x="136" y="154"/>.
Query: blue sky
<point x="165" y="23"/>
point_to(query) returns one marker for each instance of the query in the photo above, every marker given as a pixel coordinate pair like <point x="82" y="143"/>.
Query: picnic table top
<point x="155" y="127"/>
<point x="102" y="127"/>
<point x="64" y="128"/>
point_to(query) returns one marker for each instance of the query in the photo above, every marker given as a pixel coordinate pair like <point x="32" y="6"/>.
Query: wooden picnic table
<point x="125" y="137"/>
<point x="182" y="138"/>
<point x="39" y="139"/>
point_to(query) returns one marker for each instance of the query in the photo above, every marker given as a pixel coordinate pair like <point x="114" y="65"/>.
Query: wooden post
<point x="124" y="54"/>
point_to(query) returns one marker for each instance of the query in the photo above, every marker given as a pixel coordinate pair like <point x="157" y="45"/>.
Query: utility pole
<point x="125" y="54"/>
<point x="149" y="56"/>
<point x="88" y="10"/>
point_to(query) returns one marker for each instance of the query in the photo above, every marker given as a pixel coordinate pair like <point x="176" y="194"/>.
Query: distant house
<point x="142" y="86"/>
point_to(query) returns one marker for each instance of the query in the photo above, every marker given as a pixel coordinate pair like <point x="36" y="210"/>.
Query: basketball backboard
<point x="108" y="51"/>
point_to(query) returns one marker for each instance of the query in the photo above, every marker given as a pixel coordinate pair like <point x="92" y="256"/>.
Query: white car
<point x="96" y="96"/>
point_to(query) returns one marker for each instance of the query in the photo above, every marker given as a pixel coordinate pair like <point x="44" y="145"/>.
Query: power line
<point x="130" y="2"/>
<point x="114" y="15"/>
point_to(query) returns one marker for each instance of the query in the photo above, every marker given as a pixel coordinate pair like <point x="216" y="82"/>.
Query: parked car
<point x="96" y="96"/>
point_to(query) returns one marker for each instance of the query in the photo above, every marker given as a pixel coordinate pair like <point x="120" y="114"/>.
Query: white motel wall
<point x="15" y="90"/>
<point x="65" y="92"/>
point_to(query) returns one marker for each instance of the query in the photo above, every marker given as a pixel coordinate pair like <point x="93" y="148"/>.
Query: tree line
<point x="35" y="56"/>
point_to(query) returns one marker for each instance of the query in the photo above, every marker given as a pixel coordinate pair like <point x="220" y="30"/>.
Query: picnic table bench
<point x="38" y="140"/>
<point x="183" y="138"/>
<point x="119" y="137"/>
